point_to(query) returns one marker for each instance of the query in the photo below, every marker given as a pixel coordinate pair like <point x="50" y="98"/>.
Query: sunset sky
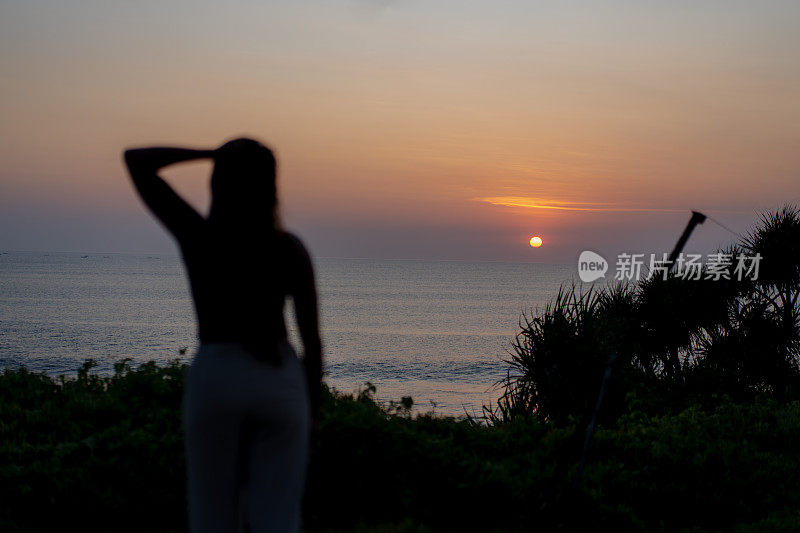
<point x="407" y="129"/>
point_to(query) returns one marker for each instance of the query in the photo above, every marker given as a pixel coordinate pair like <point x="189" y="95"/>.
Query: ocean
<point x="437" y="331"/>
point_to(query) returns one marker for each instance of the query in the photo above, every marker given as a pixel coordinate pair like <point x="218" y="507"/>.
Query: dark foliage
<point x="679" y="341"/>
<point x="106" y="454"/>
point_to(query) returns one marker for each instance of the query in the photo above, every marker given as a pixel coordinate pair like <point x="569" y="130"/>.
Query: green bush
<point x="92" y="450"/>
<point x="106" y="454"/>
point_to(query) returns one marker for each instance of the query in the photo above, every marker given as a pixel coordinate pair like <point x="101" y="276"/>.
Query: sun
<point x="536" y="241"/>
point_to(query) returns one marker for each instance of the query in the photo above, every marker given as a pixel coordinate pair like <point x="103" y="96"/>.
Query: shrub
<point x="106" y="454"/>
<point x="681" y="340"/>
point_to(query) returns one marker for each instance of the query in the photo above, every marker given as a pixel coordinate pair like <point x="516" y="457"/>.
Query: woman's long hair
<point x="243" y="189"/>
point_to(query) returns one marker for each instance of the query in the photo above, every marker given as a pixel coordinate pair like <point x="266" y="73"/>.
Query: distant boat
<point x="84" y="256"/>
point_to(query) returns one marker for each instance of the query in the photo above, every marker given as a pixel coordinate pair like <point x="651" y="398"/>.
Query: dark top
<point x="239" y="288"/>
<point x="239" y="275"/>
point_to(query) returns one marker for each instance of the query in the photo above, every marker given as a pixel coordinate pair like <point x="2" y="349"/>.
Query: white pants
<point x="246" y="424"/>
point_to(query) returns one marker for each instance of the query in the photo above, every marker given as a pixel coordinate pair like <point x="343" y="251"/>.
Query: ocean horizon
<point x="437" y="331"/>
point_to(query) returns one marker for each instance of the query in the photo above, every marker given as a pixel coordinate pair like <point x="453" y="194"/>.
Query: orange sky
<point x="407" y="129"/>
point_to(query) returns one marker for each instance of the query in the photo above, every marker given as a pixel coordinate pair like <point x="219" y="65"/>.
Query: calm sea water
<point x="436" y="331"/>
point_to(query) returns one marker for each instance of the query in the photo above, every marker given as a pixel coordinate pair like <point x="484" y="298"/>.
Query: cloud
<point x="539" y="203"/>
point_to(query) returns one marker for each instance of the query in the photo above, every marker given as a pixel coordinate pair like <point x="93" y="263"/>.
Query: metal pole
<point x="697" y="218"/>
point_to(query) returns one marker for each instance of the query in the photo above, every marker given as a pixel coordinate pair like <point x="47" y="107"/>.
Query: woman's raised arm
<point x="172" y="210"/>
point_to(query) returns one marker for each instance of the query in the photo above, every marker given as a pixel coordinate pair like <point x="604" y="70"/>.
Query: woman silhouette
<point x="247" y="403"/>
